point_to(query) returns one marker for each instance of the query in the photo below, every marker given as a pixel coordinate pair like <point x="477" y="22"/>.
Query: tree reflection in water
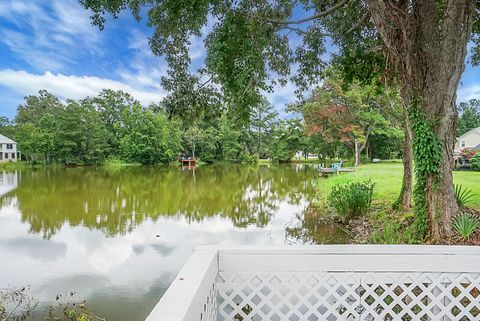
<point x="308" y="228"/>
<point x="117" y="201"/>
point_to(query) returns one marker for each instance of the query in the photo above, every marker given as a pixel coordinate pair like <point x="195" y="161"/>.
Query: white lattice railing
<point x="335" y="282"/>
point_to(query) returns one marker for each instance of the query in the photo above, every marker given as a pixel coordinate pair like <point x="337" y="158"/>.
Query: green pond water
<point x="118" y="238"/>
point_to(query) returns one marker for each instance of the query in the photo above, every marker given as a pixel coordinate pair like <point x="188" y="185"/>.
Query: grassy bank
<point x="388" y="180"/>
<point x="13" y="166"/>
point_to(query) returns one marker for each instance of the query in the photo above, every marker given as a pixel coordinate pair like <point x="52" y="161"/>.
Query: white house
<point x="470" y="139"/>
<point x="8" y="149"/>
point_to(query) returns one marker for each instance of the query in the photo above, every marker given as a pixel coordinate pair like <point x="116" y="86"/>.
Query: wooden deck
<point x="188" y="162"/>
<point x="332" y="282"/>
<point x="324" y="170"/>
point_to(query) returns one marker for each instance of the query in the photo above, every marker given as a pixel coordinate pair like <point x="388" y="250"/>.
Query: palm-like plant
<point x="465" y="225"/>
<point x="463" y="195"/>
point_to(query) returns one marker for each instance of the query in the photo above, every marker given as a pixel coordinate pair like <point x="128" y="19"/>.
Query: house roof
<point x="476" y="147"/>
<point x="474" y="130"/>
<point x="5" y="140"/>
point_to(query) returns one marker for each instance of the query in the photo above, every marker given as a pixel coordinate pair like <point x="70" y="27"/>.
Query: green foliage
<point x="463" y="195"/>
<point x="389" y="227"/>
<point x="352" y="115"/>
<point x="387" y="230"/>
<point x="113" y="164"/>
<point x="263" y="120"/>
<point x="352" y="199"/>
<point x="469" y="116"/>
<point x="7" y="127"/>
<point x="149" y="138"/>
<point x="427" y="158"/>
<point x="288" y="137"/>
<point x="465" y="225"/>
<point x="475" y="162"/>
<point x="233" y="147"/>
<point x="115" y="126"/>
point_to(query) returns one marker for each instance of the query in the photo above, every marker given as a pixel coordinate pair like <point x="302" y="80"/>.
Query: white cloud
<point x="281" y="96"/>
<point x="469" y="92"/>
<point x="143" y="69"/>
<point x="74" y="87"/>
<point x="51" y="35"/>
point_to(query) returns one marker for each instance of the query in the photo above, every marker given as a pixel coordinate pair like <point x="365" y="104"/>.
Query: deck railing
<point x="338" y="282"/>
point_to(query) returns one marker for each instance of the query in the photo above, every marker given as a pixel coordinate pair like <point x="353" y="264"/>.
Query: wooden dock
<point x="324" y="170"/>
<point x="188" y="162"/>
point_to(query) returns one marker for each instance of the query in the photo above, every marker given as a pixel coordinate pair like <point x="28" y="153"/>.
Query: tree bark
<point x="405" y="198"/>
<point x="357" y="153"/>
<point x="428" y="43"/>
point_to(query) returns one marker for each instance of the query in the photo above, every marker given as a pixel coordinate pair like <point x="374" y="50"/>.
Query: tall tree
<point x="425" y="41"/>
<point x="7" y="127"/>
<point x="351" y="114"/>
<point x="112" y="106"/>
<point x="262" y="118"/>
<point x="81" y="136"/>
<point x="149" y="138"/>
<point x="469" y="116"/>
<point x="39" y="112"/>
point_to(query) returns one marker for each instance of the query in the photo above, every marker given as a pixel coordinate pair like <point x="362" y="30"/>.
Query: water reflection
<point x="119" y="238"/>
<point x="308" y="227"/>
<point x="8" y="182"/>
<point x="115" y="202"/>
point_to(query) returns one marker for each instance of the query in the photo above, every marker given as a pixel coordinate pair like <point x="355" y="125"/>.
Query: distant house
<point x="8" y="149"/>
<point x="470" y="140"/>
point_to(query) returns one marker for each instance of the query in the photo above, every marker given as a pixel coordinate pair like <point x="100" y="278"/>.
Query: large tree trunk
<point x="405" y="198"/>
<point x="428" y="42"/>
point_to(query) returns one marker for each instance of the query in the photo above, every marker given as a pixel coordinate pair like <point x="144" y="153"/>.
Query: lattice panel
<point x="293" y="296"/>
<point x="210" y="306"/>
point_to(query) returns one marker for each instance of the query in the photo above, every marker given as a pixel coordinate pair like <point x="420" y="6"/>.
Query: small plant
<point x="352" y="199"/>
<point x="465" y="225"/>
<point x="463" y="195"/>
<point x="16" y="304"/>
<point x="66" y="308"/>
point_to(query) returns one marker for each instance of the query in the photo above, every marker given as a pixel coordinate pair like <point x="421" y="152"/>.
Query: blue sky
<point x="50" y="44"/>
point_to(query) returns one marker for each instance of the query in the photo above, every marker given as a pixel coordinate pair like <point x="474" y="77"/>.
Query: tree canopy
<point x="351" y="115"/>
<point x="469" y="116"/>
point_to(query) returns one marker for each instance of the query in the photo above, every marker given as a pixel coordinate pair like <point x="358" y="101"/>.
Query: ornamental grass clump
<point x="463" y="195"/>
<point x="465" y="225"/>
<point x="352" y="199"/>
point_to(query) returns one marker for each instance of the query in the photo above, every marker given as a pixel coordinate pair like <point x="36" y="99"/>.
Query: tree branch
<point x="358" y="24"/>
<point x="316" y="16"/>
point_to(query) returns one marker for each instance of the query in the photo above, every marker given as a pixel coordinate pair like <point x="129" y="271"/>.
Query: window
<point x="462" y="143"/>
<point x="6" y="155"/>
<point x="13" y="155"/>
<point x="9" y="146"/>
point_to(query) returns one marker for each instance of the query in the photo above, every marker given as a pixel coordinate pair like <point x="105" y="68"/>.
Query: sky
<point x="50" y="44"/>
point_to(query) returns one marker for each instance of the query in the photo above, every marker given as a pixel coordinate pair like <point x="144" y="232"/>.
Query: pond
<point x="118" y="238"/>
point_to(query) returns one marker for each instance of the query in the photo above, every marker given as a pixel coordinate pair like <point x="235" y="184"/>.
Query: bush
<point x="475" y="162"/>
<point x="364" y="159"/>
<point x="465" y="225"/>
<point x="352" y="199"/>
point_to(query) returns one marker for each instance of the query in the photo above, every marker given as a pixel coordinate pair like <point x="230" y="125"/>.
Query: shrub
<point x="465" y="225"/>
<point x="463" y="195"/>
<point x="475" y="162"/>
<point x="352" y="199"/>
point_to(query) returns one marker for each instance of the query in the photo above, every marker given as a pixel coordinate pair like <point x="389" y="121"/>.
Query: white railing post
<point x="193" y="294"/>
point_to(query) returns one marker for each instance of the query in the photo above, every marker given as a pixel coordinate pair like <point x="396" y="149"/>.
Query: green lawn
<point x="388" y="179"/>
